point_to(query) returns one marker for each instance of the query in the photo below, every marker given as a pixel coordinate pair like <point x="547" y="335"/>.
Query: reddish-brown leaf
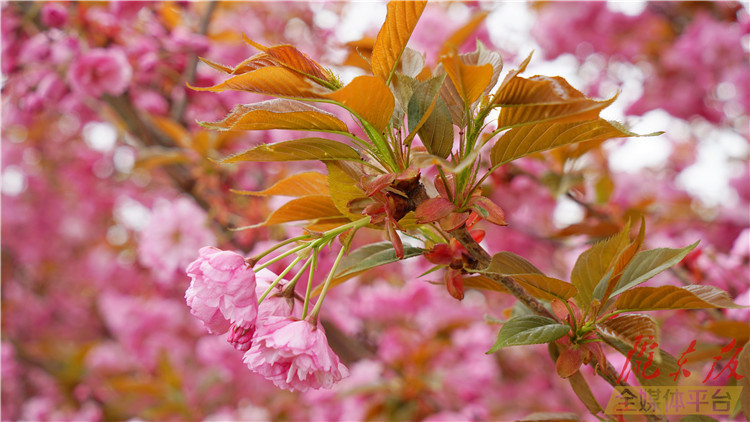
<point x="671" y="297"/>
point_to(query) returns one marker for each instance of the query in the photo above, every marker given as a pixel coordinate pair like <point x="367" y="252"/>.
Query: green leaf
<point x="371" y="256"/>
<point x="529" y="330"/>
<point x="297" y="150"/>
<point x="646" y="264"/>
<point x="366" y="258"/>
<point x="430" y="118"/>
<point x="670" y="297"/>
<point x="523" y="141"/>
<point x="595" y="264"/>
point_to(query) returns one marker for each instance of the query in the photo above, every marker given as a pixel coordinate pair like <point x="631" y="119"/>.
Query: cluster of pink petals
<point x="174" y="232"/>
<point x="222" y="290"/>
<point x="294" y="354"/>
<point x="101" y="71"/>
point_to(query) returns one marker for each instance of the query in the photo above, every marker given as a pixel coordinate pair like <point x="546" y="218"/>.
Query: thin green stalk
<point x="308" y="292"/>
<point x="282" y="256"/>
<point x="319" y="303"/>
<point x="260" y="256"/>
<point x="290" y="287"/>
<point x="279" y="278"/>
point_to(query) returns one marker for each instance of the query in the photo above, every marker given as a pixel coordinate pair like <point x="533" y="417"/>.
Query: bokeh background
<point x="109" y="190"/>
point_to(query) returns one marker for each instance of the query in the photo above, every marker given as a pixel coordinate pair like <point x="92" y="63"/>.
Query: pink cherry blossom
<point x="54" y="15"/>
<point x="222" y="290"/>
<point x="294" y="355"/>
<point x="175" y="231"/>
<point x="101" y="71"/>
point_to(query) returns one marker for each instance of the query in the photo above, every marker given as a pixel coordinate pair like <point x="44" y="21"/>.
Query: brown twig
<point x="483" y="259"/>
<point x="188" y="76"/>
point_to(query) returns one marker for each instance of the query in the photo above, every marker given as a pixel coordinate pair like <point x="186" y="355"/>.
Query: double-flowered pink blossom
<point x="101" y="71"/>
<point x="222" y="292"/>
<point x="294" y="354"/>
<point x="175" y="231"/>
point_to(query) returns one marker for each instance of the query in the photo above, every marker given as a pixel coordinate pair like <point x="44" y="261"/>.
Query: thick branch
<point x="482" y="259"/>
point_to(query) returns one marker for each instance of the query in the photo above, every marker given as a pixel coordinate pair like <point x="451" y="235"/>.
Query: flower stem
<point x="319" y="303"/>
<point x="290" y="287"/>
<point x="280" y="257"/>
<point x="314" y="262"/>
<point x="260" y="256"/>
<point x="278" y="279"/>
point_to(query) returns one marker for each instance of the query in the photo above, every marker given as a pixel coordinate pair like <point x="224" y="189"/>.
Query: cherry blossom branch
<point x="178" y="107"/>
<point x="482" y="260"/>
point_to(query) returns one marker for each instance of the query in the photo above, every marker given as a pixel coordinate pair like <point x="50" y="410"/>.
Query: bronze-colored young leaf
<point x="302" y="184"/>
<point x="512" y="74"/>
<point x="744" y="369"/>
<point x="297" y="150"/>
<point x="542" y="99"/>
<point x="551" y="417"/>
<point x="526" y="140"/>
<point x="484" y="283"/>
<point x="482" y="56"/>
<point x="309" y="207"/>
<point x="324" y="224"/>
<point x="433" y="209"/>
<point x="596" y="263"/>
<point x="667" y="364"/>
<point x="278" y="114"/>
<point x="738" y="330"/>
<point x="626" y="327"/>
<point x="248" y="65"/>
<point x="453" y="97"/>
<point x="276" y="81"/>
<point x="670" y="297"/>
<point x="367" y="97"/>
<point x="509" y="263"/>
<point x="342" y="181"/>
<point x="360" y="53"/>
<point x="469" y="80"/>
<point x="603" y="291"/>
<point x="400" y="21"/>
<point x="583" y="391"/>
<point x="646" y="264"/>
<point x="288" y="56"/>
<point x="526" y="274"/>
<point x="460" y="35"/>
